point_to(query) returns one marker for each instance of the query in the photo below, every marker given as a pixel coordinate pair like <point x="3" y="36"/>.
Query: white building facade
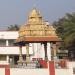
<point x="10" y="52"/>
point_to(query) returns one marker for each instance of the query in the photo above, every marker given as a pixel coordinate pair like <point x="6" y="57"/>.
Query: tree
<point x="13" y="27"/>
<point x="65" y="28"/>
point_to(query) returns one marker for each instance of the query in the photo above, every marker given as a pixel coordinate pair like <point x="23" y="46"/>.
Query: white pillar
<point x="7" y="59"/>
<point x="35" y="50"/>
<point x="49" y="51"/>
<point x="39" y="50"/>
<point x="27" y="53"/>
<point x="7" y="43"/>
<point x="43" y="52"/>
<point x="30" y="48"/>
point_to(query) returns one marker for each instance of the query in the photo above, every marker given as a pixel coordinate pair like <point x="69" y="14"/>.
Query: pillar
<point x="43" y="51"/>
<point x="7" y="71"/>
<point x="27" y="53"/>
<point x="49" y="51"/>
<point x="45" y="48"/>
<point x="54" y="51"/>
<point x="20" y="56"/>
<point x="35" y="49"/>
<point x="7" y="58"/>
<point x="7" y="43"/>
<point x="51" y="68"/>
<point x="39" y="50"/>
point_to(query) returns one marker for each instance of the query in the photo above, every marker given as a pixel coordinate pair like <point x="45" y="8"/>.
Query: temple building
<point x="36" y="39"/>
<point x="40" y="36"/>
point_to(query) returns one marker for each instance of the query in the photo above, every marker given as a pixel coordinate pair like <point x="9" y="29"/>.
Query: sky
<point x="17" y="11"/>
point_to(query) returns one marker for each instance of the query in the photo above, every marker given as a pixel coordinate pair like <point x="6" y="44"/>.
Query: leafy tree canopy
<point x="13" y="27"/>
<point x="65" y="28"/>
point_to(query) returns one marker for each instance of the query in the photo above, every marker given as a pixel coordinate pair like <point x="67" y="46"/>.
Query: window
<point x="2" y="42"/>
<point x="11" y="42"/>
<point x="2" y="57"/>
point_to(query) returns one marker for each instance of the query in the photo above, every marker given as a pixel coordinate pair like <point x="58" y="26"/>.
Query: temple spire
<point x="34" y="13"/>
<point x="34" y="17"/>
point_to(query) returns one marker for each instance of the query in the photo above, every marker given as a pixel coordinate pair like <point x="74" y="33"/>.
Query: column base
<point x="27" y="59"/>
<point x="55" y="58"/>
<point x="46" y="58"/>
<point x="20" y="62"/>
<point x="23" y="62"/>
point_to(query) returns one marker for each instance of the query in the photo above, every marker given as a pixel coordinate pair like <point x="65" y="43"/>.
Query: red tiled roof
<point x="37" y="39"/>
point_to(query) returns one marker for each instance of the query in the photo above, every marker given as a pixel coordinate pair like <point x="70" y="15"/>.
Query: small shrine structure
<point x="39" y="36"/>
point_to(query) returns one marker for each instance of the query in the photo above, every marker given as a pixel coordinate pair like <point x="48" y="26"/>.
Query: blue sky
<point x="16" y="11"/>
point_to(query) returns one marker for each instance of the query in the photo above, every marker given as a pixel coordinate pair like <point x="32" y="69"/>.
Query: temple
<point x="40" y="36"/>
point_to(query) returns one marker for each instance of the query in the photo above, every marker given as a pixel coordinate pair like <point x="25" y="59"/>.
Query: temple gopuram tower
<point x="39" y="37"/>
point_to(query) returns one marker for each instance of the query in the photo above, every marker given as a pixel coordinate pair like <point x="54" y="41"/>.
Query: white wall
<point x="9" y="34"/>
<point x="63" y="72"/>
<point x="71" y="64"/>
<point x="2" y="71"/>
<point x="38" y="50"/>
<point x="22" y="71"/>
<point x="14" y="50"/>
<point x="18" y="71"/>
<point x="4" y="62"/>
<point x="67" y="71"/>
